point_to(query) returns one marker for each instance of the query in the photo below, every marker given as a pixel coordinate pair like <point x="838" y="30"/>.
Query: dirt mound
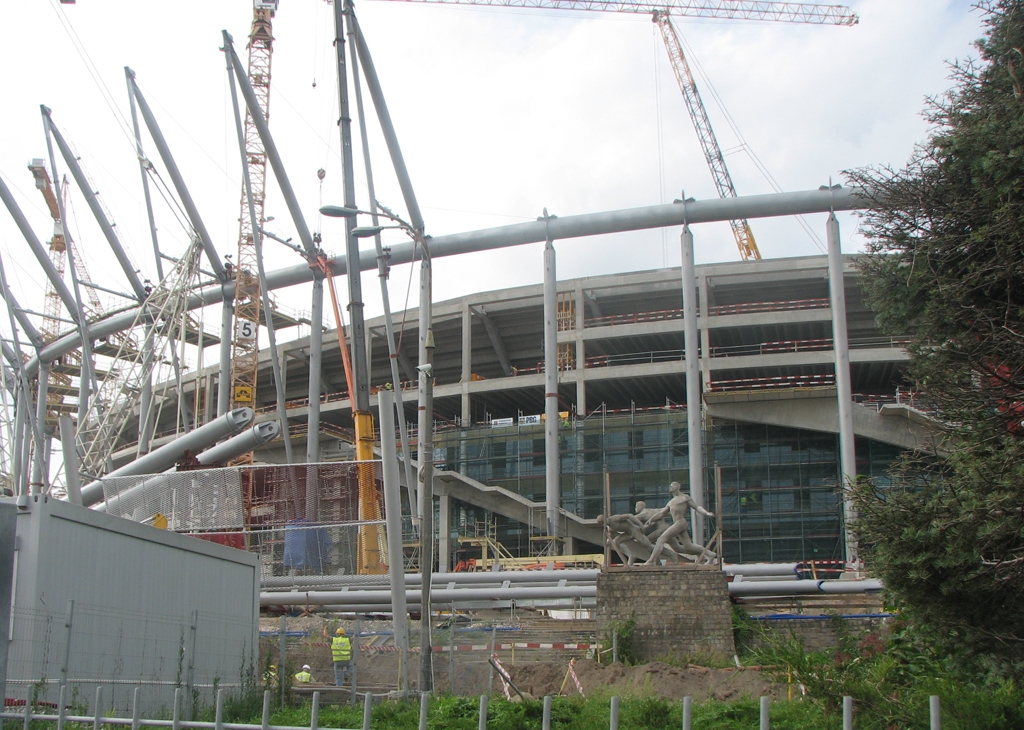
<point x="654" y="679"/>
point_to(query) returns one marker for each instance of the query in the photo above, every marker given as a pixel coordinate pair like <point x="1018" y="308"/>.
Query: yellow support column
<point x="371" y="550"/>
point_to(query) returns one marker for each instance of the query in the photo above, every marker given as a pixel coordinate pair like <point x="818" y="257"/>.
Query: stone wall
<point x="679" y="610"/>
<point x="815" y="633"/>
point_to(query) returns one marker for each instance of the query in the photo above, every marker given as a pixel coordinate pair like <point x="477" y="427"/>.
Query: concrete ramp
<point x="816" y="409"/>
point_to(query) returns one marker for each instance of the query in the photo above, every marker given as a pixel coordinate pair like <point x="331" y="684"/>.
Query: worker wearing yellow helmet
<point x="341" y="653"/>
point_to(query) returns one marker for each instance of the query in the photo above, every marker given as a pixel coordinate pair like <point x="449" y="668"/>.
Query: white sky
<point x="500" y="113"/>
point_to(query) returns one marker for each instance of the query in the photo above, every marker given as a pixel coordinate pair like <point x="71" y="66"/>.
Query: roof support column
<point x="844" y="390"/>
<point x="42" y="439"/>
<point x="316" y="342"/>
<point x="694" y="424"/>
<point x="393" y="532"/>
<point x="467" y="364"/>
<point x="703" y="295"/>
<point x="581" y="352"/>
<point x="553" y="491"/>
<point x="227" y="314"/>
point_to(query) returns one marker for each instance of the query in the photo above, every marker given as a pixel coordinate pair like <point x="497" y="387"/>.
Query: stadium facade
<point x="770" y="409"/>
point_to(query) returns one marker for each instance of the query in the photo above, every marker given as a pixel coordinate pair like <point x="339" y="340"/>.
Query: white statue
<point x="678" y="507"/>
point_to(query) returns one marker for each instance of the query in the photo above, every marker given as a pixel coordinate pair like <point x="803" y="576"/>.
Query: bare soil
<point x="652" y="680"/>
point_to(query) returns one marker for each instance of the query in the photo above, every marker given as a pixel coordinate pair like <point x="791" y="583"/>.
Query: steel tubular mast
<point x="245" y="343"/>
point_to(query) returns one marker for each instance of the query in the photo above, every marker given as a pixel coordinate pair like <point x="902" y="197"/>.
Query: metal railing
<point x="176" y="723"/>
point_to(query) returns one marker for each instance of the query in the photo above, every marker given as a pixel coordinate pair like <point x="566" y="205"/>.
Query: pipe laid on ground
<point x="803" y="587"/>
<point x="446" y="596"/>
<point x="440" y="597"/>
<point x="512" y="576"/>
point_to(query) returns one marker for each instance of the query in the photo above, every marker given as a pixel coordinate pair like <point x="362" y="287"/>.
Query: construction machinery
<point x="785" y="12"/>
<point x="59" y="384"/>
<point x="245" y="342"/>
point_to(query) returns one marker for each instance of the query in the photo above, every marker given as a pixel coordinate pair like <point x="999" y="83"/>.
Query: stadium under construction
<point x="762" y="386"/>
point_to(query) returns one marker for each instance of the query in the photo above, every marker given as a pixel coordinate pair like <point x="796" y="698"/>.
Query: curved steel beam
<point x="772" y="205"/>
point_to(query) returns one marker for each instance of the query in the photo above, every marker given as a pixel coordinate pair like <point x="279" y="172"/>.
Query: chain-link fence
<point x="460" y="649"/>
<point x="263" y="509"/>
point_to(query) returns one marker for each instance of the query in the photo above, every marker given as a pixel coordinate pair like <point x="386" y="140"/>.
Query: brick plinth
<point x="679" y="610"/>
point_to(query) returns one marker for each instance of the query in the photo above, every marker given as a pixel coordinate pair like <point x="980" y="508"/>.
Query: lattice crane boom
<point x="728" y="9"/>
<point x="245" y="344"/>
<point x="708" y="142"/>
<point x="783" y="12"/>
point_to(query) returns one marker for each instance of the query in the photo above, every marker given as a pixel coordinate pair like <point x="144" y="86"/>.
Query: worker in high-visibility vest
<point x="304" y="677"/>
<point x="341" y="653"/>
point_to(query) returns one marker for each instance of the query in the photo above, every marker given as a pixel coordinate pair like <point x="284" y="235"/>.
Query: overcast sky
<point x="500" y="114"/>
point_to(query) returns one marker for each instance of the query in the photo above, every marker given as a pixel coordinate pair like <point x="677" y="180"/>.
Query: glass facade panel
<point x="780" y="498"/>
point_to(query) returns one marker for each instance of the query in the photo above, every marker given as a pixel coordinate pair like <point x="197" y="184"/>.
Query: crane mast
<point x="59" y="380"/>
<point x="782" y="12"/>
<point x="708" y="142"/>
<point x="245" y="344"/>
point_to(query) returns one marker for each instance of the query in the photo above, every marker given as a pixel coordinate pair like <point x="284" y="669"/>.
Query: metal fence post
<point x="490" y="667"/>
<point x="764" y="713"/>
<point x="66" y="659"/>
<point x="483" y="713"/>
<point x="424" y="706"/>
<point x="355" y="662"/>
<point x="190" y="675"/>
<point x="687" y="713"/>
<point x="935" y="718"/>
<point x="266" y="709"/>
<point x="847" y="713"/>
<point x="282" y="656"/>
<point x="452" y="653"/>
<point x="176" y="710"/>
<point x="28" y="708"/>
<point x="218" y="716"/>
<point x="615" y="647"/>
<point x="314" y="712"/>
<point x="96" y="712"/>
<point x="60" y="708"/>
<point x="367" y="710"/>
<point x="546" y="719"/>
<point x="137" y="709"/>
<point x="613" y="720"/>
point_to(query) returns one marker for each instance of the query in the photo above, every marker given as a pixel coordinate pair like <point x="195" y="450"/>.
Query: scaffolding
<point x="262" y="509"/>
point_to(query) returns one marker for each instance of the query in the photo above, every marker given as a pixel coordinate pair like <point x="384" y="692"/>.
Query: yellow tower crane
<point x="59" y="383"/>
<point x="785" y="12"/>
<point x="245" y="343"/>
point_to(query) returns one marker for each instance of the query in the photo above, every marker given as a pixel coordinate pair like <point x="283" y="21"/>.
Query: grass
<point x="567" y="713"/>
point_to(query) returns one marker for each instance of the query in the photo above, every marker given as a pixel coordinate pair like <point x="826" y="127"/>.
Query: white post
<point x="844" y="391"/>
<point x="553" y="491"/>
<point x="694" y="433"/>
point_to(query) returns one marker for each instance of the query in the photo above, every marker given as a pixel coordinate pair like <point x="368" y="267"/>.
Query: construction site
<point x="431" y="478"/>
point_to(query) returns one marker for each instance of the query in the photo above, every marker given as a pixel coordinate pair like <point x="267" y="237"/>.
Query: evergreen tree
<point x="947" y="259"/>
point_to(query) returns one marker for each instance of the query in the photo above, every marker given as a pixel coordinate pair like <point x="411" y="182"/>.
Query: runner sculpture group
<point x="647" y="537"/>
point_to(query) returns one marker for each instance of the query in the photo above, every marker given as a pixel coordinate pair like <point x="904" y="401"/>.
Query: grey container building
<point x="103" y="601"/>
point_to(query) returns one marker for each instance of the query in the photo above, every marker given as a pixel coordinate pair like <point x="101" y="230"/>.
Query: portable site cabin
<point x="97" y="600"/>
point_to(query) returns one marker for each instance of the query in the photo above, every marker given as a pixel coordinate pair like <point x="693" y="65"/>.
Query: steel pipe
<point x="163" y="458"/>
<point x="440" y="597"/>
<point x="243" y="443"/>
<point x="589" y="224"/>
